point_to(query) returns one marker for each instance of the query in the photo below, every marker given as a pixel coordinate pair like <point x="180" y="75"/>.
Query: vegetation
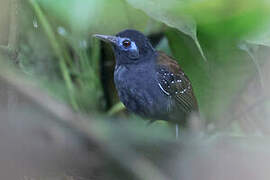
<point x="222" y="45"/>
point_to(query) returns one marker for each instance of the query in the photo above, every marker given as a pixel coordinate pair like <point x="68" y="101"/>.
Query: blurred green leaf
<point x="262" y="37"/>
<point x="167" y="12"/>
<point x="228" y="18"/>
<point x="251" y="51"/>
<point x="217" y="82"/>
<point x="91" y="16"/>
<point x="116" y="108"/>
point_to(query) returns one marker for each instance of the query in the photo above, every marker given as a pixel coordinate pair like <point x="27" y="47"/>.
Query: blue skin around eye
<point x="133" y="51"/>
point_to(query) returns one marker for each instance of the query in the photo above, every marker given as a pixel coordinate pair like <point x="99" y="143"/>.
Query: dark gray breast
<point x="139" y="91"/>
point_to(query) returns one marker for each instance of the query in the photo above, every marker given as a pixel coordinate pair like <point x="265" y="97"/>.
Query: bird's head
<point x="130" y="46"/>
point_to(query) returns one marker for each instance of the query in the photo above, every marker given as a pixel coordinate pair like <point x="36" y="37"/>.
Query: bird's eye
<point x="126" y="43"/>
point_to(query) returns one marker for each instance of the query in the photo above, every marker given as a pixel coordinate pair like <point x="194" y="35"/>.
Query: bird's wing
<point x="173" y="82"/>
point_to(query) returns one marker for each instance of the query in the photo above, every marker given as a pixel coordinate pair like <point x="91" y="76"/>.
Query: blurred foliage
<point x="167" y="12"/>
<point x="222" y="45"/>
<point x="104" y="16"/>
<point x="57" y="47"/>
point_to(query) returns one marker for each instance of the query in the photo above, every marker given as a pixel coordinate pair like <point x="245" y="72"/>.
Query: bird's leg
<point x="176" y="131"/>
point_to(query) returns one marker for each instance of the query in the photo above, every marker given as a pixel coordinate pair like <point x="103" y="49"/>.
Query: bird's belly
<point x="143" y="103"/>
<point x="142" y="96"/>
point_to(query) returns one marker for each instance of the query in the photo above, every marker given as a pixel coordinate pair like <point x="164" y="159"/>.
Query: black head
<point x="130" y="46"/>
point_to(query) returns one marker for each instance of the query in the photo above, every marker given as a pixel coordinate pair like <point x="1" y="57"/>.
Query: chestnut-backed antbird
<point x="150" y="83"/>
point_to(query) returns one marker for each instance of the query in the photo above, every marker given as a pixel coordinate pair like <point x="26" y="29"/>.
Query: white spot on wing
<point x="184" y="90"/>
<point x="163" y="89"/>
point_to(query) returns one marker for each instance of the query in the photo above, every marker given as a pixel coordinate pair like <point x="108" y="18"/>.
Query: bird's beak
<point x="107" y="38"/>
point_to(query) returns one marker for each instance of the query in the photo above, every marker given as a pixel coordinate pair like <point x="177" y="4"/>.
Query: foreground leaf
<point x="168" y="13"/>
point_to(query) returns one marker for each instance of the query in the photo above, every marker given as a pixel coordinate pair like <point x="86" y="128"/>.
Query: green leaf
<point x="251" y="45"/>
<point x="84" y="17"/>
<point x="218" y="82"/>
<point x="116" y="108"/>
<point x="230" y="19"/>
<point x="251" y="51"/>
<point x="168" y="13"/>
<point x="262" y="37"/>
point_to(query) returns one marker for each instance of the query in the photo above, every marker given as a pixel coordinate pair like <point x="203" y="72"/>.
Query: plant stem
<point x="63" y="58"/>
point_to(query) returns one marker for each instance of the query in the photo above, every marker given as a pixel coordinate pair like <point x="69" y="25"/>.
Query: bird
<point x="150" y="83"/>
